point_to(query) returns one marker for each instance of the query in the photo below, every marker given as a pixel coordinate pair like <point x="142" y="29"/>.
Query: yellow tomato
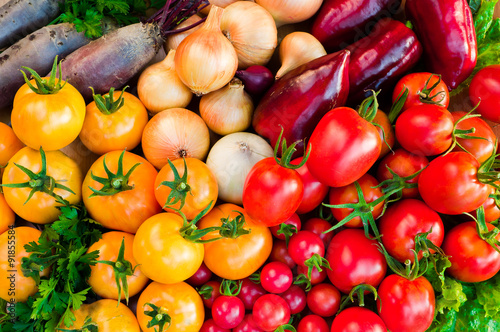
<point x="9" y="144"/>
<point x="7" y="216"/>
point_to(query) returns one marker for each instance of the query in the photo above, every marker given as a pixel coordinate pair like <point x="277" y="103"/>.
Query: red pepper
<point x="446" y="30"/>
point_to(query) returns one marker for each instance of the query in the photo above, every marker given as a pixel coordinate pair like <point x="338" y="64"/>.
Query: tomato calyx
<point x="190" y="231"/>
<point x="108" y="105"/>
<point x="408" y="270"/>
<point x="316" y="261"/>
<point x="398" y="104"/>
<point x="303" y="280"/>
<point x="159" y="317"/>
<point x="233" y="228"/>
<point x="122" y="268"/>
<point x="489" y="236"/>
<point x="206" y="291"/>
<point x="287" y="230"/>
<point x="368" y="110"/>
<point x="463" y="133"/>
<point x="230" y="287"/>
<point x="397" y="184"/>
<point x="285" y="328"/>
<point x="487" y="173"/>
<point x="287" y="153"/>
<point x="40" y="182"/>
<point x="180" y="187"/>
<point x="114" y="183"/>
<point x="425" y="94"/>
<point x="45" y="86"/>
<point x="359" y="291"/>
<point x="88" y="326"/>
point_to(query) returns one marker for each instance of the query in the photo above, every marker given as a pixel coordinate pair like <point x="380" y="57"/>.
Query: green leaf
<point x="474" y="5"/>
<point x="488" y="295"/>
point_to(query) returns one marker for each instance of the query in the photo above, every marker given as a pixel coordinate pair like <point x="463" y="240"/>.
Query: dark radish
<point x="36" y="51"/>
<point x="21" y="17"/>
<point x="256" y="79"/>
<point x="298" y="100"/>
<point x="113" y="59"/>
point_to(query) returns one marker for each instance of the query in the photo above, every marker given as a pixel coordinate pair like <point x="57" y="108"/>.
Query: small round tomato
<point x="247" y="325"/>
<point x="295" y="296"/>
<point x="357" y="319"/>
<point x="210" y="326"/>
<point x="472" y="259"/>
<point x="114" y="127"/>
<point x="162" y="253"/>
<point x="304" y="245"/>
<point x="250" y="292"/>
<point x="201" y="276"/>
<point x="491" y="209"/>
<point x="51" y="121"/>
<point x="124" y="183"/>
<point x="7" y="216"/>
<point x="324" y="300"/>
<point x="108" y="315"/>
<point x="102" y="276"/>
<point x="235" y="256"/>
<point x="313" y="323"/>
<point x="279" y="253"/>
<point x="180" y="302"/>
<point x="485" y="90"/>
<point x="14" y="285"/>
<point x="425" y="130"/>
<point x="211" y="292"/>
<point x="270" y="311"/>
<point x="319" y="226"/>
<point x="41" y="208"/>
<point x="9" y="145"/>
<point x="406" y="305"/>
<point x="314" y="191"/>
<point x="228" y="311"/>
<point x="316" y="275"/>
<point x="423" y="88"/>
<point x="349" y="194"/>
<point x="287" y="228"/>
<point x="276" y="277"/>
<point x="199" y="187"/>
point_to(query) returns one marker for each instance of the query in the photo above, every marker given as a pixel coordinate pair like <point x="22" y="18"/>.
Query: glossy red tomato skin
<point x="406" y="305"/>
<point x="316" y="275"/>
<point x="319" y="226"/>
<point x="228" y="311"/>
<point x="295" y="296"/>
<point x="303" y="245"/>
<point x="271" y="193"/>
<point x="491" y="210"/>
<point x="214" y="295"/>
<point x="293" y="220"/>
<point x="349" y="194"/>
<point x="201" y="276"/>
<point x="270" y="311"/>
<point x="276" y="277"/>
<point x="324" y="300"/>
<point x="472" y="259"/>
<point x="314" y="191"/>
<point x="279" y="253"/>
<point x="425" y="130"/>
<point x="357" y="319"/>
<point x="485" y="87"/>
<point x="250" y="292"/>
<point x="344" y="147"/>
<point x="402" y="221"/>
<point x="404" y="164"/>
<point x="313" y="323"/>
<point x="210" y="326"/>
<point x="247" y="325"/>
<point x="354" y="259"/>
<point x="449" y="184"/>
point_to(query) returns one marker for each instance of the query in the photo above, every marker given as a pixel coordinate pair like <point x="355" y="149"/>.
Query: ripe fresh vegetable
<point x="210" y="291"/>
<point x="9" y="145"/>
<point x="250" y="292"/>
<point x="201" y="276"/>
<point x="324" y="300"/>
<point x="307" y="249"/>
<point x="313" y="323"/>
<point x="314" y="190"/>
<point x="276" y="277"/>
<point x="270" y="311"/>
<point x="358" y="319"/>
<point x="423" y="88"/>
<point x="485" y="90"/>
<point x="228" y="310"/>
<point x="256" y="79"/>
<point x="296" y="298"/>
<point x="7" y="216"/>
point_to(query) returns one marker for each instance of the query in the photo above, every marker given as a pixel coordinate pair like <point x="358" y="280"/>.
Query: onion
<point x="231" y="159"/>
<point x="256" y="79"/>
<point x="175" y="133"/>
<point x="218" y="3"/>
<point x="160" y="88"/>
<point x="175" y="38"/>
<point x="290" y="11"/>
<point x="252" y="31"/>
<point x="227" y="110"/>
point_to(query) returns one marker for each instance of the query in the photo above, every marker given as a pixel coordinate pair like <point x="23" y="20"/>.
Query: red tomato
<point x="271" y="311"/>
<point x="420" y="92"/>
<point x="318" y="226"/>
<point x="210" y="326"/>
<point x="247" y="325"/>
<point x="485" y="87"/>
<point x="314" y="191"/>
<point x="491" y="210"/>
<point x="272" y="193"/>
<point x="316" y="276"/>
<point x="201" y="276"/>
<point x="406" y="305"/>
<point x="303" y="245"/>
<point x="214" y="285"/>
<point x="402" y="221"/>
<point x="354" y="259"/>
<point x="324" y="300"/>
<point x="357" y="319"/>
<point x="385" y="131"/>
<point x="228" y="311"/>
<point x="472" y="259"/>
<point x="296" y="299"/>
<point x="313" y="323"/>
<point x="344" y="147"/>
<point x="450" y="184"/>
<point x="294" y="220"/>
<point x="425" y="130"/>
<point x="250" y="292"/>
<point x="279" y="253"/>
<point x="276" y="277"/>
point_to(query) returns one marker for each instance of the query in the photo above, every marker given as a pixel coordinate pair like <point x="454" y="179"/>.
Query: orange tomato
<point x="13" y="284"/>
<point x="235" y="258"/>
<point x="102" y="277"/>
<point x="201" y="181"/>
<point x="120" y="129"/>
<point x="41" y="208"/>
<point x="9" y="144"/>
<point x="163" y="254"/>
<point x="179" y="301"/>
<point x="107" y="316"/>
<point x="127" y="209"/>
<point x="7" y="216"/>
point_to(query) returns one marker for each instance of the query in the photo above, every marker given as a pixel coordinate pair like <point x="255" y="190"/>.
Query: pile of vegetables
<point x="195" y="165"/>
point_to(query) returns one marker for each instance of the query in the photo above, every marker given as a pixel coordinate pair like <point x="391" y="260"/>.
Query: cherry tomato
<point x="354" y="259"/>
<point x="324" y="300"/>
<point x="402" y="221"/>
<point x="276" y="277"/>
<point x="406" y="305"/>
<point x="296" y="299"/>
<point x="294" y="221"/>
<point x="356" y="319"/>
<point x="314" y="191"/>
<point x="108" y="315"/>
<point x="112" y="129"/>
<point x="247" y="325"/>
<point x="404" y="164"/>
<point x="201" y="276"/>
<point x="7" y="216"/>
<point x="163" y="253"/>
<point x="485" y="88"/>
<point x="472" y="259"/>
<point x="180" y="301"/>
<point x="420" y="92"/>
<point x="303" y="245"/>
<point x="9" y="145"/>
<point x="344" y="147"/>
<point x="201" y="182"/>
<point x="316" y="275"/>
<point x="102" y="276"/>
<point x="491" y="210"/>
<point x="272" y="193"/>
<point x="450" y="184"/>
<point x="250" y="292"/>
<point x="210" y="326"/>
<point x="270" y="311"/>
<point x="133" y="200"/>
<point x="228" y="311"/>
<point x="319" y="226"/>
<point x="280" y="253"/>
<point x="313" y="323"/>
<point x="214" y="285"/>
<point x="41" y="208"/>
<point x="349" y="194"/>
<point x="425" y="130"/>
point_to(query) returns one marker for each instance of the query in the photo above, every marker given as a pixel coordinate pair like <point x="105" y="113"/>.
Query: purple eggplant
<point x="342" y="22"/>
<point x="446" y="30"/>
<point x="298" y="100"/>
<point x="381" y="58"/>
